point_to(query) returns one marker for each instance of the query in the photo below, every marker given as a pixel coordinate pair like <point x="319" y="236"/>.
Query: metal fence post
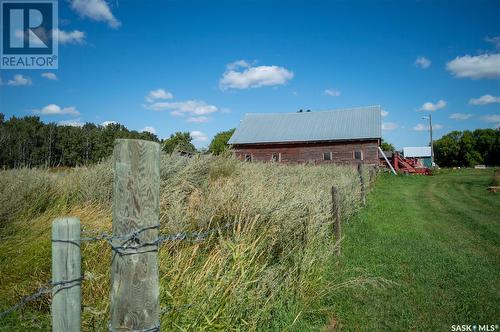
<point x="66" y="275"/>
<point x="134" y="268"/>
<point x="336" y="218"/>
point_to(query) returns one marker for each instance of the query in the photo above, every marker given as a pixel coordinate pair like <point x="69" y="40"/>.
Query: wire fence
<point x="45" y="289"/>
<point x="131" y="244"/>
<point x="124" y="245"/>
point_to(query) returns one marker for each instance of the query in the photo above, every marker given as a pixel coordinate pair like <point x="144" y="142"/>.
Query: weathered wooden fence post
<point x="134" y="269"/>
<point x="336" y="218"/>
<point x="66" y="275"/>
<point x="362" y="184"/>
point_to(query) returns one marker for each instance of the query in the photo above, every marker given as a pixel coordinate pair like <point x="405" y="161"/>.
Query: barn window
<point x="358" y="155"/>
<point x="327" y="156"/>
<point x="248" y="157"/>
<point x="276" y="157"/>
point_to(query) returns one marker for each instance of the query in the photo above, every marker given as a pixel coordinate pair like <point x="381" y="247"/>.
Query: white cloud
<point x="53" y="109"/>
<point x="384" y="113"/>
<point x="198" y="136"/>
<point x="430" y="107"/>
<point x="485" y="99"/>
<point x="493" y="40"/>
<point x="72" y="123"/>
<point x="196" y="111"/>
<point x="475" y="67"/>
<point x="490" y="118"/>
<point x="237" y="64"/>
<point x="149" y="130"/>
<point x="50" y="76"/>
<point x="180" y="108"/>
<point x="240" y="75"/>
<point x="19" y="80"/>
<point x="70" y="37"/>
<point x="97" y="10"/>
<point x="176" y="113"/>
<point x="422" y="62"/>
<point x="198" y="119"/>
<point x="108" y="122"/>
<point x="422" y="127"/>
<point x="158" y="94"/>
<point x="460" y="116"/>
<point x="332" y="92"/>
<point x="387" y="126"/>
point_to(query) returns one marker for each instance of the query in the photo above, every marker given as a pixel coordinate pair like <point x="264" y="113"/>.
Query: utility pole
<point x="431" y="142"/>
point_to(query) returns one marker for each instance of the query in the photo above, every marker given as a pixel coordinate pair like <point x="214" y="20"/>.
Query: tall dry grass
<point x="268" y="271"/>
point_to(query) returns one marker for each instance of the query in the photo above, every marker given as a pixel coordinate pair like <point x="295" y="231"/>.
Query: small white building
<point x="422" y="153"/>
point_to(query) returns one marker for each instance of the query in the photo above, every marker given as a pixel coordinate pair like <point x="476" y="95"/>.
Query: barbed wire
<point x="131" y="245"/>
<point x="45" y="289"/>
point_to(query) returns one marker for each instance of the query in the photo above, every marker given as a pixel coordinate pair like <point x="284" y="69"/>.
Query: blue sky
<point x="169" y="66"/>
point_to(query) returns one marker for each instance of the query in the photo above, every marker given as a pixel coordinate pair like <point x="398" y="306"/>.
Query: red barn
<point x="346" y="136"/>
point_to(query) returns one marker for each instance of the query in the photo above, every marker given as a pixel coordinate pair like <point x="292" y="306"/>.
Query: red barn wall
<point x="342" y="152"/>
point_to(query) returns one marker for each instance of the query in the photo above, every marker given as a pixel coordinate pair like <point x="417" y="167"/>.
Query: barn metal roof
<point x="417" y="151"/>
<point x="343" y="124"/>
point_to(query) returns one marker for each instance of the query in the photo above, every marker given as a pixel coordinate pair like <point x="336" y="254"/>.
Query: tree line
<point x="468" y="148"/>
<point x="29" y="142"/>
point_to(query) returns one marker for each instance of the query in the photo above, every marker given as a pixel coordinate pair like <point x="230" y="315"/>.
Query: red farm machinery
<point x="409" y="165"/>
<point x="398" y="164"/>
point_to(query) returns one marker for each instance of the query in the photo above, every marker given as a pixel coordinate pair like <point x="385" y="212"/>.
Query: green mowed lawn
<point x="435" y="241"/>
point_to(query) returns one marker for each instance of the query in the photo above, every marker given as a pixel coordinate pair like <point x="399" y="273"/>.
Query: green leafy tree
<point x="487" y="143"/>
<point x="179" y="142"/>
<point x="469" y="156"/>
<point x="447" y="149"/>
<point x="386" y="146"/>
<point x="468" y="148"/>
<point x="219" y="142"/>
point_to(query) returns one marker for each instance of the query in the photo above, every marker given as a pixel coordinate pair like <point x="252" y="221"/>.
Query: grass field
<point x="423" y="255"/>
<point x="437" y="239"/>
<point x="269" y="271"/>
